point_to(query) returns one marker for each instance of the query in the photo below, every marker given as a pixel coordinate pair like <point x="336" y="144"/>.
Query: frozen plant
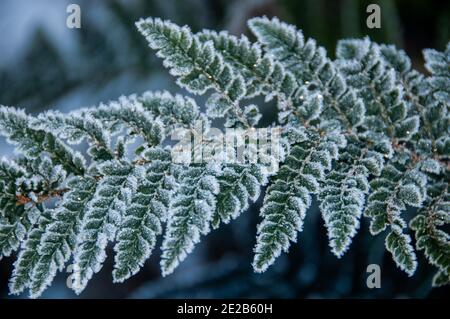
<point x="364" y="134"/>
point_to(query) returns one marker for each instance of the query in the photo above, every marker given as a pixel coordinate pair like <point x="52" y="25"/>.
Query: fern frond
<point x="399" y="185"/>
<point x="242" y="55"/>
<point x="191" y="213"/>
<point x="344" y="191"/>
<point x="10" y="173"/>
<point x="28" y="256"/>
<point x="128" y="112"/>
<point x="433" y="241"/>
<point x="289" y="194"/>
<point x="435" y="121"/>
<point x="103" y="215"/>
<point x="174" y="111"/>
<point x="75" y="128"/>
<point x="239" y="184"/>
<point x="437" y="63"/>
<point x="16" y="126"/>
<point x="142" y="219"/>
<point x="58" y="242"/>
<point x="15" y="220"/>
<point x="198" y="67"/>
<point x="399" y="245"/>
<point x="364" y="134"/>
<point x="14" y="230"/>
<point x="265" y="76"/>
<point x="386" y="107"/>
<point x="440" y="279"/>
<point x="311" y="68"/>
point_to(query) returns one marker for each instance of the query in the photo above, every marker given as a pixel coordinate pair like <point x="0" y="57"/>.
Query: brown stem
<point x="24" y="199"/>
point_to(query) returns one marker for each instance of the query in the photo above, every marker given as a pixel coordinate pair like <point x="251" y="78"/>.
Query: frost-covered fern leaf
<point x="398" y="186"/>
<point x="440" y="279"/>
<point x="386" y="107"/>
<point x="57" y="243"/>
<point x="364" y="133"/>
<point x="38" y="180"/>
<point x="344" y="190"/>
<point x="174" y="111"/>
<point x="191" y="214"/>
<point x="238" y="185"/>
<point x="152" y="115"/>
<point x="15" y="220"/>
<point x="198" y="68"/>
<point x="417" y="91"/>
<point x="433" y="136"/>
<point x="265" y="76"/>
<point x="142" y="219"/>
<point x="17" y="127"/>
<point x="285" y="43"/>
<point x="399" y="245"/>
<point x="10" y="173"/>
<point x="14" y="229"/>
<point x="438" y="64"/>
<point x="103" y="215"/>
<point x="28" y="256"/>
<point x="414" y="83"/>
<point x="242" y="55"/>
<point x="312" y="69"/>
<point x="128" y="112"/>
<point x="75" y="128"/>
<point x="289" y="193"/>
<point x="435" y="242"/>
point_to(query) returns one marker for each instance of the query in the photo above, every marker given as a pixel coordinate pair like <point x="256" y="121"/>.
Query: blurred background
<point x="45" y="65"/>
